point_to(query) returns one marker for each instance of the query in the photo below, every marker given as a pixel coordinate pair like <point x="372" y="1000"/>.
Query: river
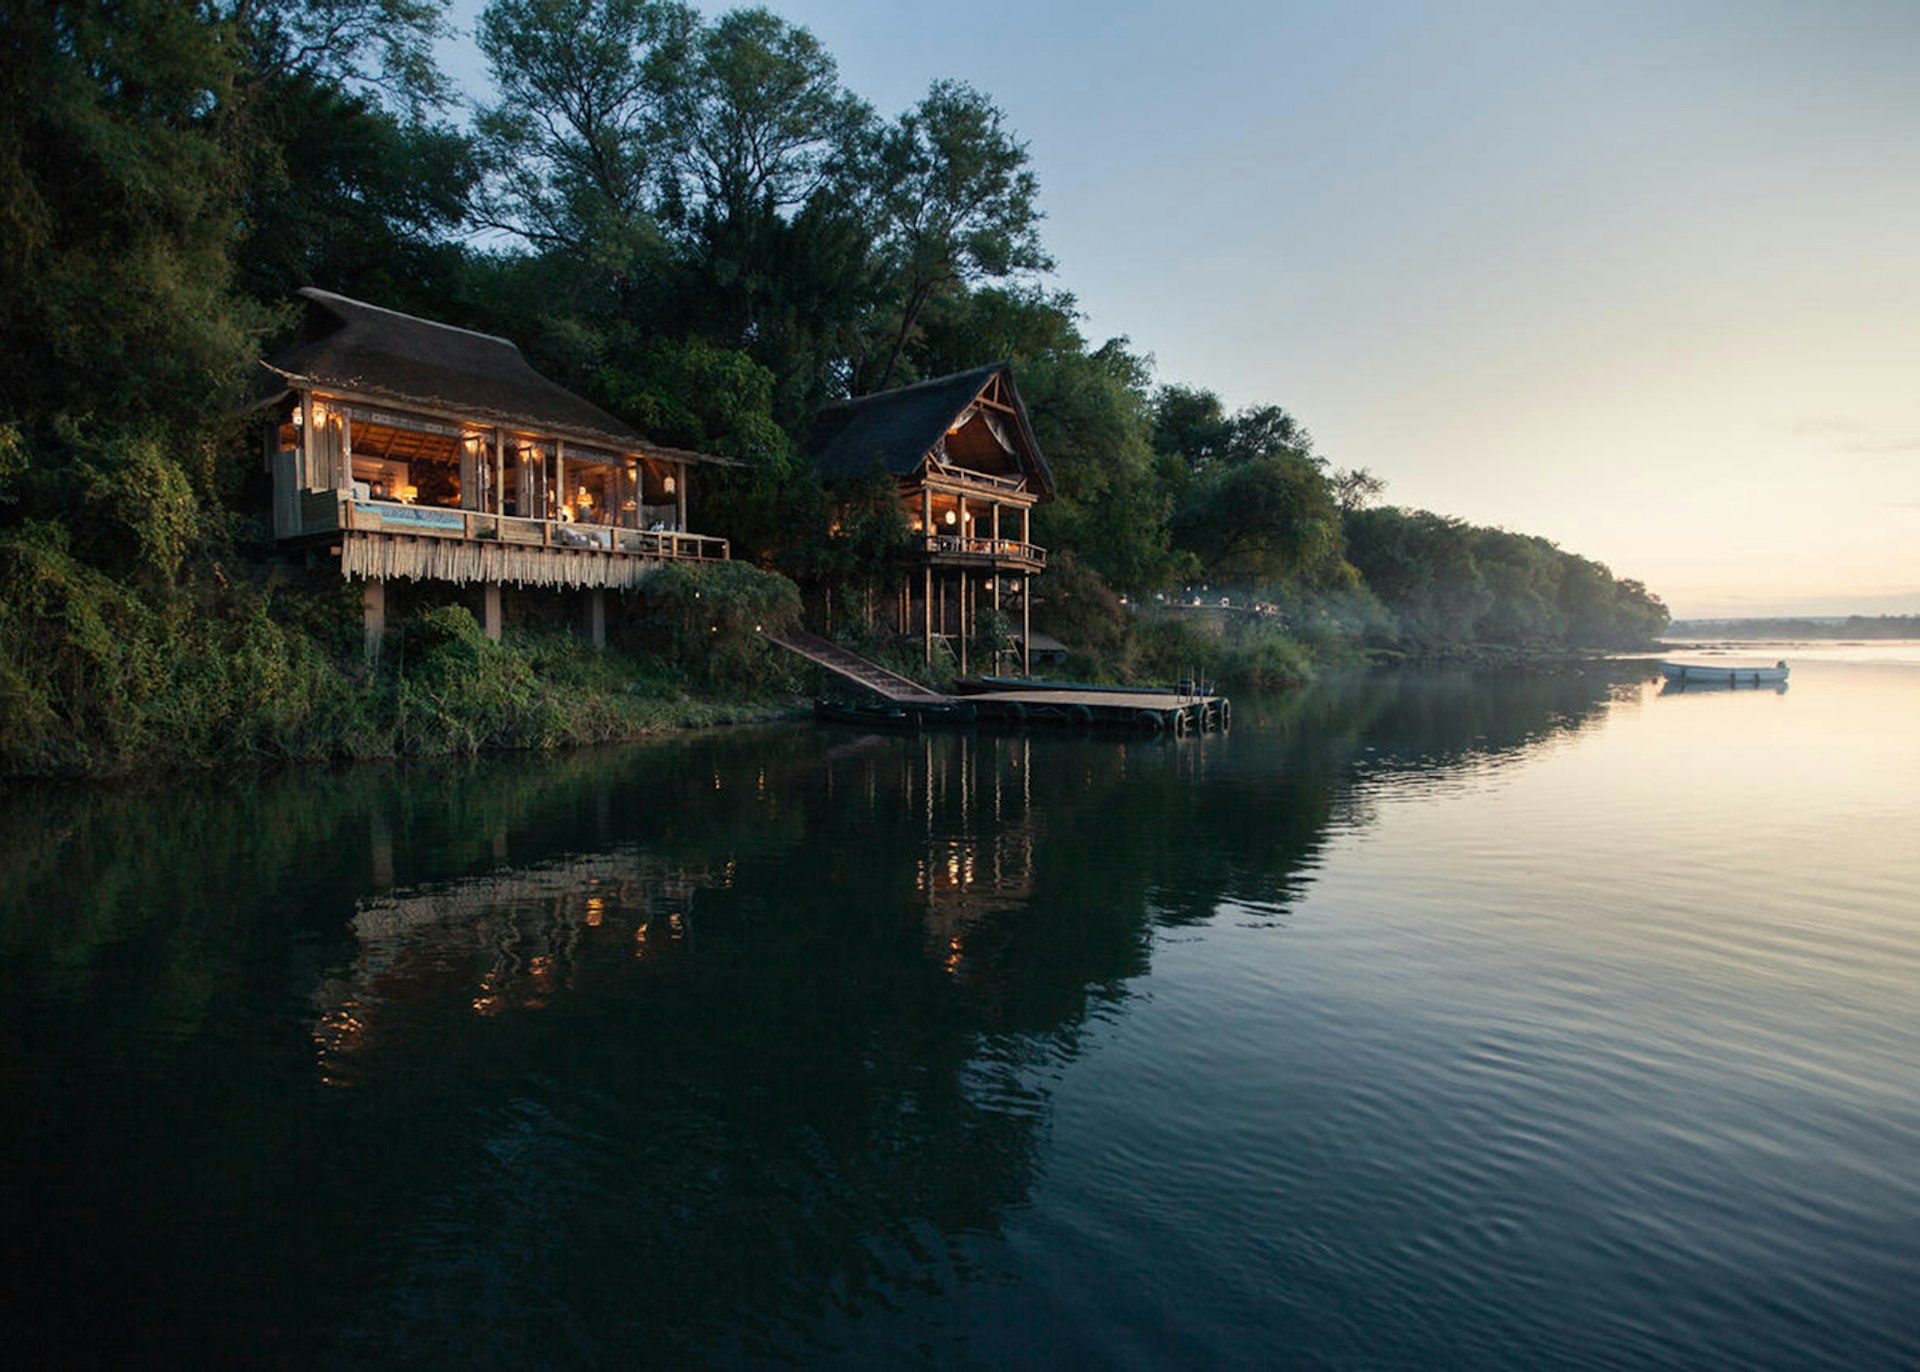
<point x="1427" y="1019"/>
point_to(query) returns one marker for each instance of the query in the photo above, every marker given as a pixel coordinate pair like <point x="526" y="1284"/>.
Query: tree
<point x="1264" y="430"/>
<point x="1190" y="424"/>
<point x="118" y="211"/>
<point x="1355" y="488"/>
<point x="347" y="195"/>
<point x="762" y="124"/>
<point x="1522" y="576"/>
<point x="1193" y="425"/>
<point x="955" y="205"/>
<point x="576" y="146"/>
<point x="1422" y="567"/>
<point x="380" y="51"/>
<point x="1089" y="412"/>
<point x="773" y="259"/>
<point x="1269" y="519"/>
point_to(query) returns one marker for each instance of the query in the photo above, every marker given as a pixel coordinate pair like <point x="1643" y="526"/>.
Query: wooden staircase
<point x="852" y="667"/>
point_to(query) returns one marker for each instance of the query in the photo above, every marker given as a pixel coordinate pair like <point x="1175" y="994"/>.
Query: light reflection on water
<point x="1430" y="1020"/>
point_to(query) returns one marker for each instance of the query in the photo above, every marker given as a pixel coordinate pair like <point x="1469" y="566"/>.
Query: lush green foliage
<point x="690" y="220"/>
<point x="1449" y="582"/>
<point x="712" y="617"/>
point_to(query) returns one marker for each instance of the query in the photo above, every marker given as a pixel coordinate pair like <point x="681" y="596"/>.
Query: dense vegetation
<point x="688" y="219"/>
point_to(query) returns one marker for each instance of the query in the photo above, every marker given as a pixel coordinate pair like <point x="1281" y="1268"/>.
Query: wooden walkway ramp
<point x="852" y="667"/>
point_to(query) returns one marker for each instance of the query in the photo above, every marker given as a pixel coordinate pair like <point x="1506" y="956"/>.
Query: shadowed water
<point x="1428" y="1020"/>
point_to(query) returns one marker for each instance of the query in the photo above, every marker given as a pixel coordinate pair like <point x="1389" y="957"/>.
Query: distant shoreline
<point x="1823" y="626"/>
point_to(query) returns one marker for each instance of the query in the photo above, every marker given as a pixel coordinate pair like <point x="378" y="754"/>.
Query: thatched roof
<point x="362" y="350"/>
<point x="894" y="431"/>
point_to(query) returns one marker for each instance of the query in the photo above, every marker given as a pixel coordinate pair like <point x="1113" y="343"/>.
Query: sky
<point x="1643" y="278"/>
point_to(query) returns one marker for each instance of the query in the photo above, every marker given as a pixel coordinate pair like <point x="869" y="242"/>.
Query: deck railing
<point x="1007" y="549"/>
<point x="327" y="511"/>
<point x="967" y="476"/>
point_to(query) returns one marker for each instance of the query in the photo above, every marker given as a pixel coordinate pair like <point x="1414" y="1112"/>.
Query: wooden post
<point x="963" y="599"/>
<point x="500" y="471"/>
<point x="470" y="481"/>
<point x="1026" y="623"/>
<point x="343" y="472"/>
<point x="490" y="610"/>
<point x="284" y="463"/>
<point x="926" y="613"/>
<point x="307" y="441"/>
<point x="680" y="495"/>
<point x="373" y="615"/>
<point x="557" y="505"/>
<point x="594" y="621"/>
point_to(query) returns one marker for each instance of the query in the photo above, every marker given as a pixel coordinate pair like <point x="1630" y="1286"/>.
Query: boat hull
<point x="1726" y="676"/>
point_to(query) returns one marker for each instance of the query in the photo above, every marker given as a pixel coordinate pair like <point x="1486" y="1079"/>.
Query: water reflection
<point x="667" y="1054"/>
<point x="1703" y="688"/>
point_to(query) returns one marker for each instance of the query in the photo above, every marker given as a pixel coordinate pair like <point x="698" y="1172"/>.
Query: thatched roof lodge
<point x="418" y="450"/>
<point x="968" y="472"/>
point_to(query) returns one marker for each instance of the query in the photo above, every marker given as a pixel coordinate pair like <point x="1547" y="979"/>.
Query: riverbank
<point x="1497" y="655"/>
<point x="269" y="691"/>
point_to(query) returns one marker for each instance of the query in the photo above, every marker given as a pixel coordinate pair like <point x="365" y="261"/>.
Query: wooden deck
<point x="379" y="540"/>
<point x="1145" y="711"/>
<point x="1148" y="710"/>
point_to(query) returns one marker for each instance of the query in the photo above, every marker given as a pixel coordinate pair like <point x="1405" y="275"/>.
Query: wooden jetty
<point x="1111" y="709"/>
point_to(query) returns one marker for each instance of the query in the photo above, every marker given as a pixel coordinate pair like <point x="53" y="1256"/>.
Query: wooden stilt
<point x="373" y="616"/>
<point x="489" y="610"/>
<point x="964" y="579"/>
<point x="595" y="619"/>
<point x="1026" y="625"/>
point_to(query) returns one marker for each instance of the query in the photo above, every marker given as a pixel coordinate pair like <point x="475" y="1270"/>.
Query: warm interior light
<point x="408" y="494"/>
<point x="668" y="486"/>
<point x="952" y="518"/>
<point x="585" y="499"/>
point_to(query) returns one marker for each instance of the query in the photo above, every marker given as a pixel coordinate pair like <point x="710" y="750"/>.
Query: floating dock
<point x="1147" y="711"/>
<point x="903" y="703"/>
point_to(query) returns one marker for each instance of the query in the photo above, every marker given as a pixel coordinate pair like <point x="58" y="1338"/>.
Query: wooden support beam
<point x="489" y="615"/>
<point x="594" y="620"/>
<point x="1026" y="625"/>
<point x="307" y="440"/>
<point x="964" y="579"/>
<point x="373" y="616"/>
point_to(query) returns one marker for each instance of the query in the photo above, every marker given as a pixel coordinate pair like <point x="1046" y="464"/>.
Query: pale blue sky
<point x="1644" y="278"/>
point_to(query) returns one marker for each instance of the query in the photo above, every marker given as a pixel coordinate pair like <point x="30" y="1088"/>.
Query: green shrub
<point x="710" y="618"/>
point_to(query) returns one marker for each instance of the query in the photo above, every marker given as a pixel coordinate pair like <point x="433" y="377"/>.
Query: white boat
<point x="1723" y="674"/>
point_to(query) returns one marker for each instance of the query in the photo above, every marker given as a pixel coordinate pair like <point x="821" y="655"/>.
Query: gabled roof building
<point x="413" y="449"/>
<point x="968" y="473"/>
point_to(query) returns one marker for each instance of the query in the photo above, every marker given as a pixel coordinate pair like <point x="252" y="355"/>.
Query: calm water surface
<point x="1430" y="1020"/>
